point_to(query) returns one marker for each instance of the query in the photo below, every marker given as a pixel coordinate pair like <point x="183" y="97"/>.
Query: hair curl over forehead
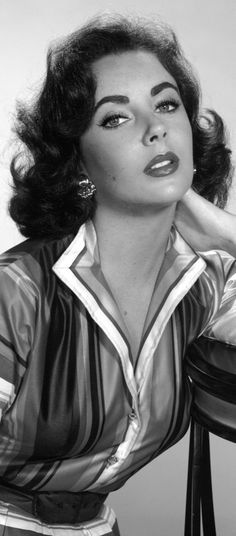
<point x="45" y="202"/>
<point x="71" y="62"/>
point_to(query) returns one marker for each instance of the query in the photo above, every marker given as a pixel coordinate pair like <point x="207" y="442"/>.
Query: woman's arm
<point x="204" y="225"/>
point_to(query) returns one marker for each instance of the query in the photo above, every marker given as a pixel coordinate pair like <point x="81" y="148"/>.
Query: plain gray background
<point x="153" y="501"/>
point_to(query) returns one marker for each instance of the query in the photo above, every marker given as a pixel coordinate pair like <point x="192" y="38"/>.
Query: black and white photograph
<point x="118" y="268"/>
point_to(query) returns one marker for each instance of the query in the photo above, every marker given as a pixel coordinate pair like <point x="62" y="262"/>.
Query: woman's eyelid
<point x="109" y="116"/>
<point x="172" y="97"/>
<point x="114" y="113"/>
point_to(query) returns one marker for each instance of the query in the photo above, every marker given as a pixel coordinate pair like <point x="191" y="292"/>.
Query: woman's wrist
<point x="204" y="225"/>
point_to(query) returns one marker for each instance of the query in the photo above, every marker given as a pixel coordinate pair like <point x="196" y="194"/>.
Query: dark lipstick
<point x="162" y="165"/>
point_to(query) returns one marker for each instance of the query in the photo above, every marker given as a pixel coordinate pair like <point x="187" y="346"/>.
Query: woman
<point x="99" y="305"/>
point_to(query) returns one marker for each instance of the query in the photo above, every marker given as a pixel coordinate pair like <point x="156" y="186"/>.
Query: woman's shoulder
<point x="32" y="259"/>
<point x="218" y="262"/>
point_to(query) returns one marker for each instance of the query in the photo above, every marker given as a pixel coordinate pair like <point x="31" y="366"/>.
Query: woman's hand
<point x="204" y="225"/>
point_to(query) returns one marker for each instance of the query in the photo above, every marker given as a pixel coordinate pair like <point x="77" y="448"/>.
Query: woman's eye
<point x="167" y="106"/>
<point x="113" y="121"/>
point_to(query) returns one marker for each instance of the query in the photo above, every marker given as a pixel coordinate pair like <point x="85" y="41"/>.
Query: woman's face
<point x="138" y="147"/>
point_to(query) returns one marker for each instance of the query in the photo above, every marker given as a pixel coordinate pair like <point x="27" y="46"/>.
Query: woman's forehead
<point x="117" y="73"/>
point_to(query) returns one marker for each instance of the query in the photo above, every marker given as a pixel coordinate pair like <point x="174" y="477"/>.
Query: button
<point x="113" y="459"/>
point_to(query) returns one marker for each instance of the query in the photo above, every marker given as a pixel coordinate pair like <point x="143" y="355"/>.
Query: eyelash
<point x="166" y="102"/>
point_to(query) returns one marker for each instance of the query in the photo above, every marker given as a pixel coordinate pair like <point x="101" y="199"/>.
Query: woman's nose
<point x="155" y="131"/>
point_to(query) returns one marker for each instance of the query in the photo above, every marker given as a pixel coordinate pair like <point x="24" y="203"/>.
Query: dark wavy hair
<point x="45" y="201"/>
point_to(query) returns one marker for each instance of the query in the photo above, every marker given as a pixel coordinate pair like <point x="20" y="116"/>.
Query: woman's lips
<point x="162" y="165"/>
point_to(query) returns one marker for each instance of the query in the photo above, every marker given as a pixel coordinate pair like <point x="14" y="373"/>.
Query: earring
<point x="86" y="187"/>
<point x="194" y="170"/>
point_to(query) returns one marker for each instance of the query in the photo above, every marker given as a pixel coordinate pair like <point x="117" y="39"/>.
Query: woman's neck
<point x="133" y="244"/>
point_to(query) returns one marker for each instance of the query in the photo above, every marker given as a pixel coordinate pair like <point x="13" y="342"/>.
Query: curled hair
<point x="45" y="201"/>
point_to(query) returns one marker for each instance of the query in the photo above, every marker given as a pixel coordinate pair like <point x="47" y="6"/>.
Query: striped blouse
<point x="75" y="413"/>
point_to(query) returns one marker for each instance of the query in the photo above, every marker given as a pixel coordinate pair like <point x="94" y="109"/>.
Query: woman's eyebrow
<point x="164" y="85"/>
<point x="122" y="99"/>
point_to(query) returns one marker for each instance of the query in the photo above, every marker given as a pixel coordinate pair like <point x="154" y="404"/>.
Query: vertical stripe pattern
<point x="75" y="414"/>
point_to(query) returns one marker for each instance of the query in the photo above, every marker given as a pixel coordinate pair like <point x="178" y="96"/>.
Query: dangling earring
<point x="194" y="170"/>
<point x="86" y="187"/>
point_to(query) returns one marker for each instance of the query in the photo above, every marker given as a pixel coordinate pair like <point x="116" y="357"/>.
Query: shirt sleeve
<point x="221" y="324"/>
<point x="17" y="314"/>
